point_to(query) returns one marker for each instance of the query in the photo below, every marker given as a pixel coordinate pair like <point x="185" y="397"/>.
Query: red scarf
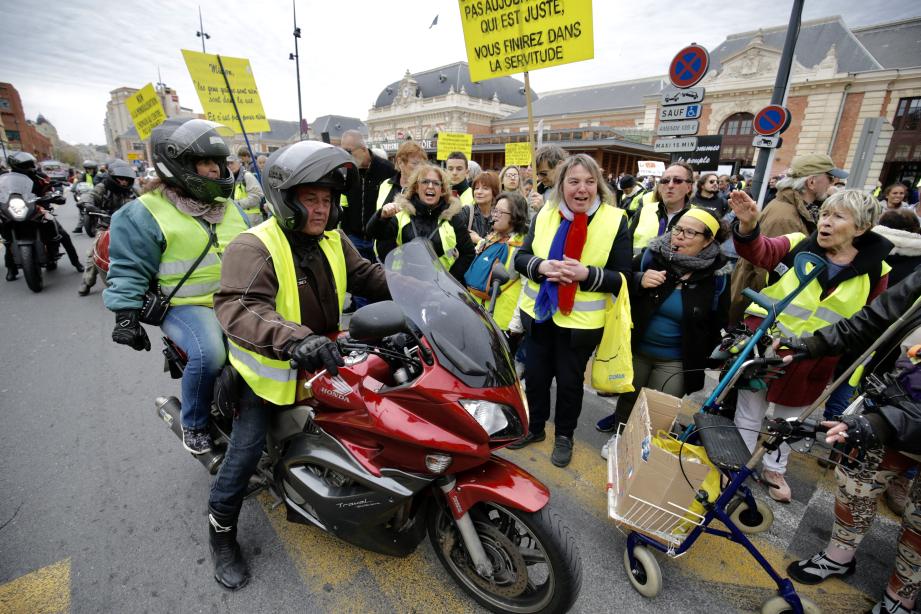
<point x="575" y="241"/>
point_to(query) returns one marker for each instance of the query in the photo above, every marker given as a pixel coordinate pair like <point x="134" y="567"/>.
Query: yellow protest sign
<point x="454" y="141"/>
<point x="212" y="90"/>
<point x="504" y="37"/>
<point x="146" y="111"/>
<point x="518" y="154"/>
<point x="134" y="155"/>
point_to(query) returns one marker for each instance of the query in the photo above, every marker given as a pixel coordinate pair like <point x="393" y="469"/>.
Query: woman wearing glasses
<point x="427" y="210"/>
<point x="510" y="179"/>
<point x="659" y="211"/>
<point x="678" y="303"/>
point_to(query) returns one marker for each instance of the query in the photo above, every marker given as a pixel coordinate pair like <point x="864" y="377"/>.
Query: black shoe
<point x="78" y="230"/>
<point x="562" y="451"/>
<point x="196" y="441"/>
<point x="79" y="267"/>
<point x="818" y="569"/>
<point x="607" y="424"/>
<point x="12" y="275"/>
<point x="527" y="440"/>
<point x="230" y="568"/>
<point x="84" y="290"/>
<point x="51" y="266"/>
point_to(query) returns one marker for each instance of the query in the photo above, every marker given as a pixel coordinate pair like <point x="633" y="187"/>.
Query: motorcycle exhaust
<point x="168" y="410"/>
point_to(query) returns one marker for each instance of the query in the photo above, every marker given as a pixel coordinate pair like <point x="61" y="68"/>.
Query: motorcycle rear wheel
<point x="31" y="269"/>
<point x="536" y="563"/>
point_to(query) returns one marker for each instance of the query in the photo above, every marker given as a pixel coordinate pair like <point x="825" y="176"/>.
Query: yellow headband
<point x="704" y="216"/>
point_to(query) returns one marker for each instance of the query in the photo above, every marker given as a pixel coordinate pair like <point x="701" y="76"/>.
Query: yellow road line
<point x="44" y="591"/>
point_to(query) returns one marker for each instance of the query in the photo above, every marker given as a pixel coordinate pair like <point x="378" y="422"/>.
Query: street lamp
<point x="297" y="67"/>
<point x="201" y="33"/>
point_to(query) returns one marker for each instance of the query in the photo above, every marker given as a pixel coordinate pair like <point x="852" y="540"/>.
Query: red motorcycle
<point x="401" y="443"/>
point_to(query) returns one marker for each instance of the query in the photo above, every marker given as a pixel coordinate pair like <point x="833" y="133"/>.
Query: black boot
<point x="230" y="568"/>
<point x="12" y="274"/>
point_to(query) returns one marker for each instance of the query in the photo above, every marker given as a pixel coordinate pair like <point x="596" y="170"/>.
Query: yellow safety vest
<point x="647" y="228"/>
<point x="809" y="311"/>
<point x="185" y="239"/>
<point x="87" y="178"/>
<point x="635" y="200"/>
<point x="383" y="192"/>
<point x="271" y="379"/>
<point x="467" y="197"/>
<point x="509" y="293"/>
<point x="445" y="232"/>
<point x="588" y="310"/>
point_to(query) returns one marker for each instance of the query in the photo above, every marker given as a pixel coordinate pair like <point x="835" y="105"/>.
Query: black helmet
<point x="90" y="165"/>
<point x="178" y="143"/>
<point x="21" y="162"/>
<point x="306" y="163"/>
<point x="119" y="169"/>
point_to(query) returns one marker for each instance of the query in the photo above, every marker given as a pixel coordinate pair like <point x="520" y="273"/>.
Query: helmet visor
<point x="201" y="138"/>
<point x="122" y="170"/>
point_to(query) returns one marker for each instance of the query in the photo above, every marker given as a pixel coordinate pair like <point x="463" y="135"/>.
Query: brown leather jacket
<point x="785" y="214"/>
<point x="245" y="304"/>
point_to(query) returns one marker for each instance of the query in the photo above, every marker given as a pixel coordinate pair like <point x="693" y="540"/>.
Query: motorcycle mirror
<point x="500" y="274"/>
<point x="376" y="321"/>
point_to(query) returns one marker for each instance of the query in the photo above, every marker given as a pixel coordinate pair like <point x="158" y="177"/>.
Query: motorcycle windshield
<point x="465" y="340"/>
<point x="15" y="183"/>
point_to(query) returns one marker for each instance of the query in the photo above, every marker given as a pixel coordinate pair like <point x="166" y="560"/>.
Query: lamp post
<point x="201" y="33"/>
<point x="297" y="68"/>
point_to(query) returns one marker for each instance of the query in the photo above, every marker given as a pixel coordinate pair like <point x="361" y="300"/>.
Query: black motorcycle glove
<point x="315" y="352"/>
<point x="799" y="345"/>
<point x="128" y="331"/>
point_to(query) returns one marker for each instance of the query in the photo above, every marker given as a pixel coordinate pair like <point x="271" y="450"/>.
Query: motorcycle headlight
<point x="18" y="209"/>
<point x="499" y="421"/>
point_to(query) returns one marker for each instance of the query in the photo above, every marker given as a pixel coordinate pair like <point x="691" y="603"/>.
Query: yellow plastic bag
<point x="710" y="485"/>
<point x="612" y="367"/>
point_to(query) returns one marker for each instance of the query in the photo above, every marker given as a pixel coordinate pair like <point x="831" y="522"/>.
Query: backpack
<point x="479" y="276"/>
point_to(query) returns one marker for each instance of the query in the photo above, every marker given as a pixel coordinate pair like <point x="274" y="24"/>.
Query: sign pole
<point x="239" y="119"/>
<point x="527" y="97"/>
<point x="759" y="185"/>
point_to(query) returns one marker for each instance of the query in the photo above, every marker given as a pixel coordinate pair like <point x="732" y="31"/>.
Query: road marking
<point x="44" y="591"/>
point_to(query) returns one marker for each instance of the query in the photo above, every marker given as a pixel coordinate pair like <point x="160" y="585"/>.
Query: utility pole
<point x="201" y="32"/>
<point x="297" y="68"/>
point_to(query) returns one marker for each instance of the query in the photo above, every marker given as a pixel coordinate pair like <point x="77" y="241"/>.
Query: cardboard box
<point x="649" y="473"/>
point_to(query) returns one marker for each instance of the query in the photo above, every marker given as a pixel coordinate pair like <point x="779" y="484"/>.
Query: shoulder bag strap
<point x="212" y="240"/>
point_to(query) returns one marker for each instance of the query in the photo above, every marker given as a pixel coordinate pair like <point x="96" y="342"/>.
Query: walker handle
<point x="758" y="299"/>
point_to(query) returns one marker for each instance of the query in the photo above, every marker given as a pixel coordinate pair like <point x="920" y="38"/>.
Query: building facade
<point x="121" y="137"/>
<point x="20" y="133"/>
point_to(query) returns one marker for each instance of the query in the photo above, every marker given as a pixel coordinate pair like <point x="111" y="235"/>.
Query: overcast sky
<point x="65" y="58"/>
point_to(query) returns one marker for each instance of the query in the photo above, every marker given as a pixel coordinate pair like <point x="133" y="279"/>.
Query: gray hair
<point x="473" y="171"/>
<point x="355" y="134"/>
<point x="863" y="208"/>
<point x="797" y="183"/>
<point x="589" y="164"/>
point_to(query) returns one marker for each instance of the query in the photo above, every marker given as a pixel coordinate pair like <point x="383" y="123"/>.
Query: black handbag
<point x="155" y="306"/>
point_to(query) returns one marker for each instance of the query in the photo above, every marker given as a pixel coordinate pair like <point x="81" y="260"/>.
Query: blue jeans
<point x="247" y="441"/>
<point x="196" y="331"/>
<point x="365" y="247"/>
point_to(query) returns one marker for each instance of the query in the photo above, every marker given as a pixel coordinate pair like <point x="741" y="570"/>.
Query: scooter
<point x="402" y="443"/>
<point x="24" y="215"/>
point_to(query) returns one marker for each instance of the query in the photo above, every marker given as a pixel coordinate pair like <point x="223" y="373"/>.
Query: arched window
<point x="737" y="139"/>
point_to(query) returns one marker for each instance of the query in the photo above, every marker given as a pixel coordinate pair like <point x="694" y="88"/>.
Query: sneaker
<point x="818" y="569"/>
<point x="889" y="606"/>
<point x="196" y="441"/>
<point x="607" y="425"/>
<point x="527" y="440"/>
<point x="84" y="290"/>
<point x="778" y="488"/>
<point x="606" y="448"/>
<point x="897" y="494"/>
<point x="562" y="451"/>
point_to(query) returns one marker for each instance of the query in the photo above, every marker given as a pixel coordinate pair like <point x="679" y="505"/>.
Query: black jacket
<point x="363" y="199"/>
<point x="705" y="306"/>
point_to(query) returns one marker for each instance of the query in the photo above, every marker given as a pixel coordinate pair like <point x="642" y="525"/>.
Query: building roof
<point x="335" y="125"/>
<point x="440" y="81"/>
<point x="604" y="97"/>
<point x="896" y="44"/>
<point x="816" y="38"/>
<point x="281" y="130"/>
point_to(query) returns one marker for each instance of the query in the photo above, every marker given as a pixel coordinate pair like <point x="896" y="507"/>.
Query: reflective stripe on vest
<point x="271" y="379"/>
<point x="185" y="239"/>
<point x="588" y="310"/>
<point x="509" y="293"/>
<point x="647" y="228"/>
<point x="809" y="311"/>
<point x="445" y="233"/>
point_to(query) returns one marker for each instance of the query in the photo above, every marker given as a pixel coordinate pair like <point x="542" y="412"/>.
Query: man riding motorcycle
<point x="283" y="286"/>
<point x="53" y="234"/>
<point x="88" y="176"/>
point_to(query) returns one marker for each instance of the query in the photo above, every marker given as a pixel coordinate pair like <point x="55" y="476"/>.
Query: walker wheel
<point x="646" y="577"/>
<point x="779" y="605"/>
<point x="753" y="521"/>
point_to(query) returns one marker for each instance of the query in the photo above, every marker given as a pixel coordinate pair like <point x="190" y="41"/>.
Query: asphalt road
<point x="103" y="511"/>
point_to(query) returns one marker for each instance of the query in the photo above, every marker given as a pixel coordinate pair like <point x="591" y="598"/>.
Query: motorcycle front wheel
<point x="31" y="268"/>
<point x="535" y="561"/>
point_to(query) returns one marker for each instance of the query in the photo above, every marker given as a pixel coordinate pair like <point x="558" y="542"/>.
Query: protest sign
<point x="146" y="111"/>
<point x="505" y="37"/>
<point x="518" y="154"/>
<point x="652" y="168"/>
<point x="215" y="99"/>
<point x="454" y="141"/>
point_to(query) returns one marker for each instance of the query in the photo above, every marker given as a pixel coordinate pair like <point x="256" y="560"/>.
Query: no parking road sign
<point x="772" y="119"/>
<point x="689" y="66"/>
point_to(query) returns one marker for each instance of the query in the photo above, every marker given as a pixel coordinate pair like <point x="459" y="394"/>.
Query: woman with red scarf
<point x="572" y="257"/>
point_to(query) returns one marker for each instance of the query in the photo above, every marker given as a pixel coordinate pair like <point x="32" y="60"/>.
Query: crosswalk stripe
<point x="43" y="591"/>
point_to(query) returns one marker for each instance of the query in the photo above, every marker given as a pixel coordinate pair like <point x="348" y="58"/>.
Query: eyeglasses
<point x="435" y="183"/>
<point x="690" y="234"/>
<point x="675" y="180"/>
<point x="496" y="212"/>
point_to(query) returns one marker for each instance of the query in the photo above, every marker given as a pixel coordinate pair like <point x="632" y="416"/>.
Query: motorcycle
<point x="86" y="221"/>
<point x="24" y="215"/>
<point x="401" y="443"/>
